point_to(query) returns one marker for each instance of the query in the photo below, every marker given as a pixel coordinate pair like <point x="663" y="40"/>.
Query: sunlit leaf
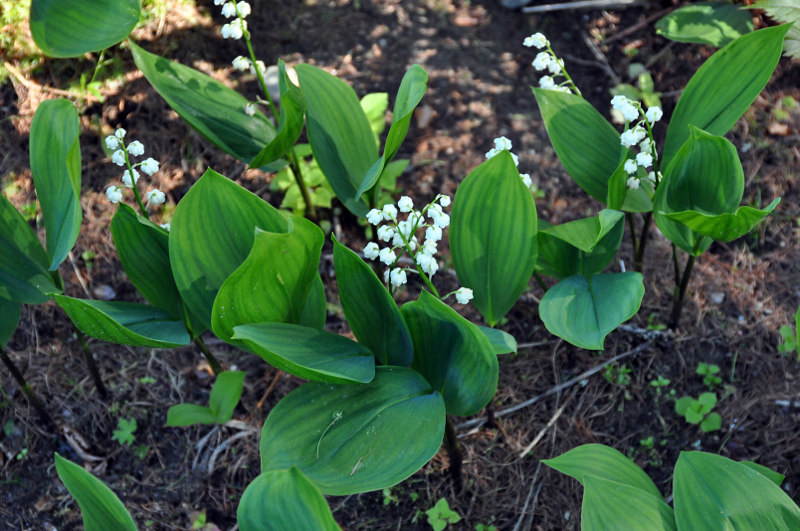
<point x="714" y="23"/>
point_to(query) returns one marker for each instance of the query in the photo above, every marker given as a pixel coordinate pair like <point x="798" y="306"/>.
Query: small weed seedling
<point x="698" y="411"/>
<point x="618" y="375"/>
<point x="791" y="337"/>
<point x="124" y="432"/>
<point x="441" y="515"/>
<point x="658" y="384"/>
<point x="710" y="374"/>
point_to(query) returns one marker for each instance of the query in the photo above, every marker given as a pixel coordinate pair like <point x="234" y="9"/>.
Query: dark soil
<point x="479" y="88"/>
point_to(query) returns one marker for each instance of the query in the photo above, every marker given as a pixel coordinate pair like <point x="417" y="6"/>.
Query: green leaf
<point x="124" y="323"/>
<point x="711" y="423"/>
<point x="315" y="309"/>
<point x="587" y="145"/>
<point x="724" y="227"/>
<point x="212" y="233"/>
<point x="410" y="93"/>
<point x="370" y="310"/>
<point x="374" y="106"/>
<point x="56" y="168"/>
<point x="582" y="247"/>
<point x="494" y="248"/>
<point x="705" y="176"/>
<point x="181" y="415"/>
<point x="453" y="354"/>
<point x="713" y="492"/>
<point x="70" y="28"/>
<point x="598" y="461"/>
<point x="273" y="282"/>
<point x="100" y="507"/>
<point x="225" y="394"/>
<point x="612" y="505"/>
<point x="211" y="108"/>
<point x="143" y="249"/>
<point x="10" y="310"/>
<point x="350" y="439"/>
<point x="683" y="404"/>
<point x="584" y="310"/>
<point x="714" y="23"/>
<point x="24" y="274"/>
<point x="291" y="121"/>
<point x="768" y="473"/>
<point x="724" y="87"/>
<point x="339" y="133"/>
<point x="502" y="342"/>
<point x="308" y="353"/>
<point x="280" y="500"/>
<point x="784" y="11"/>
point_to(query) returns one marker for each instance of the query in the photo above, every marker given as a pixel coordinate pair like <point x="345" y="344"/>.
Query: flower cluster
<point x="639" y="135"/>
<point x="130" y="177"/>
<point x="547" y="60"/>
<point x="239" y="11"/>
<point x="401" y="235"/>
<point x="504" y="144"/>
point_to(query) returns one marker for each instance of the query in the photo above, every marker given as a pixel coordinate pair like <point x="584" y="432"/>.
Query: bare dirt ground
<point x="479" y="88"/>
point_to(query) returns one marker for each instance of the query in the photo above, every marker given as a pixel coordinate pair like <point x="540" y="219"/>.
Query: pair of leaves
<point x="223" y="399"/>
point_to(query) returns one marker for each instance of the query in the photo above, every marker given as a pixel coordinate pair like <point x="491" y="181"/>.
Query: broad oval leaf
<point x="714" y="23"/>
<point x="602" y="462"/>
<point x="124" y="323"/>
<point x="371" y="312"/>
<point x="24" y="263"/>
<point x="502" y="342"/>
<point x="211" y="108"/>
<point x="349" y="439"/>
<point x="584" y="310"/>
<point x="611" y="505"/>
<point x="454" y="355"/>
<point x="705" y="176"/>
<point x="143" y="249"/>
<point x="587" y="145"/>
<point x="281" y="500"/>
<point x="714" y="492"/>
<point x="339" y="133"/>
<point x="70" y="28"/>
<point x="494" y="249"/>
<point x="10" y="310"/>
<point x="307" y="352"/>
<point x="100" y="507"/>
<point x="273" y="282"/>
<point x="212" y="233"/>
<point x="727" y="226"/>
<point x="56" y="168"/>
<point x="181" y="415"/>
<point x="724" y="87"/>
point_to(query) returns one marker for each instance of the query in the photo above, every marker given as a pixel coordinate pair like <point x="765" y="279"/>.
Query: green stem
<point x="98" y="66"/>
<point x="134" y="186"/>
<point x="540" y="281"/>
<point x="90" y="363"/>
<point x="454" y="453"/>
<point x="216" y="367"/>
<point x="634" y="240"/>
<point x="30" y="394"/>
<point x="638" y="259"/>
<point x="680" y="292"/>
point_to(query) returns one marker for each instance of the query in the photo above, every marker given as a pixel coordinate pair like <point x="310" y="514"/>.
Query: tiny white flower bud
<point x="645" y="145"/>
<point x="644" y="159"/>
<point x="631" y="166"/>
<point x="149" y="166"/>
<point x="405" y="204"/>
<point x="166" y="226"/>
<point x="118" y="158"/>
<point x="374" y="216"/>
<point x="654" y="114"/>
<point x="463" y="295"/>
<point x="112" y="142"/>
<point x="542" y="61"/>
<point x="241" y="63"/>
<point x="114" y="194"/>
<point x="155" y="198"/>
<point x="371" y="251"/>
<point x="554" y="67"/>
<point x="536" y="40"/>
<point x="502" y="142"/>
<point x="387" y="256"/>
<point x="120" y="133"/>
<point x="250" y="109"/>
<point x="398" y="277"/>
<point x="526" y="179"/>
<point x="546" y="82"/>
<point x="136" y="148"/>
<point x="633" y="183"/>
<point x="385" y="233"/>
<point x="433" y="234"/>
<point x="244" y="8"/>
<point x="126" y="178"/>
<point x="444" y="200"/>
<point x="389" y="212"/>
<point x="229" y="10"/>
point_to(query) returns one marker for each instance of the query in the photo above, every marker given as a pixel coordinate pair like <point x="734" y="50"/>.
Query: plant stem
<point x="680" y="292"/>
<point x="540" y="281"/>
<point x="634" y="240"/>
<point x="90" y="363"/>
<point x="216" y="367"/>
<point x="30" y="394"/>
<point x="134" y="186"/>
<point x="454" y="453"/>
<point x="638" y="258"/>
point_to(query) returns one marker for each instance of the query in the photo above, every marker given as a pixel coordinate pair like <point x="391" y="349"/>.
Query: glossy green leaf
<point x="100" y="507"/>
<point x="453" y="354"/>
<point x="374" y="106"/>
<point x="212" y="233"/>
<point x="784" y="11"/>
<point x="349" y="439"/>
<point x="10" y="310"/>
<point x="308" y="353"/>
<point x="181" y="415"/>
<point x="714" y="492"/>
<point x="291" y="121"/>
<point x="502" y="342"/>
<point x="273" y="282"/>
<point x="225" y="394"/>
<point x="284" y="500"/>
<point x="587" y="145"/>
<point x="211" y="108"/>
<point x="410" y="93"/>
<point x="611" y="505"/>
<point x="584" y="310"/>
<point x="124" y="323"/>
<point x="724" y="87"/>
<point x="315" y="309"/>
<point x="24" y="263"/>
<point x="724" y="227"/>
<point x="56" y="168"/>
<point x="714" y="23"/>
<point x="704" y="176"/>
<point x="602" y="462"/>
<point x="377" y="324"/>
<point x="775" y="477"/>
<point x="143" y="249"/>
<point x="494" y="249"/>
<point x="70" y="28"/>
<point x="339" y="133"/>
<point x="582" y="247"/>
